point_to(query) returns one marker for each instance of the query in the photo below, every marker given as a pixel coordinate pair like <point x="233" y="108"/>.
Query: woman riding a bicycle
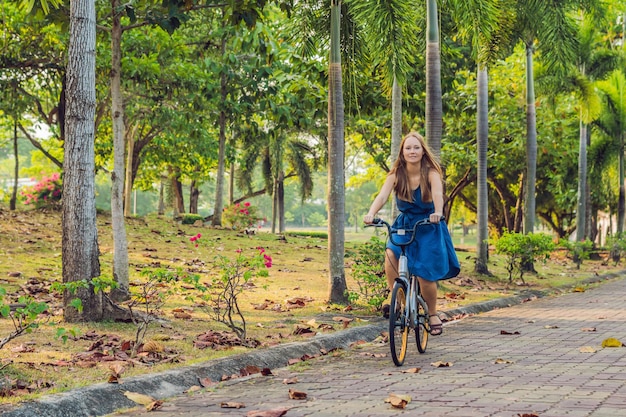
<point x="416" y="180"/>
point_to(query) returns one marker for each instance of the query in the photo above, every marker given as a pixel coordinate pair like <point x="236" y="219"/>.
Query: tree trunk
<point x="280" y="199"/>
<point x="581" y="211"/>
<point x="231" y="185"/>
<point x="161" y="207"/>
<point x="336" y="185"/>
<point x="274" y="205"/>
<point x="221" y="158"/>
<point x="177" y="190"/>
<point x="434" y="112"/>
<point x="130" y="169"/>
<point x="120" y="244"/>
<point x="396" y="132"/>
<point x="194" y="194"/>
<point x="531" y="146"/>
<point x="621" y="197"/>
<point x="16" y="169"/>
<point x="482" y="133"/>
<point x="79" y="251"/>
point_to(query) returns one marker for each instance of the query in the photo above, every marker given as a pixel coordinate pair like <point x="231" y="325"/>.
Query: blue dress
<point x="431" y="256"/>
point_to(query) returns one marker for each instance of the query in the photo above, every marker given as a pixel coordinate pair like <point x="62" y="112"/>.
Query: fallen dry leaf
<point x="232" y="405"/>
<point x="292" y="380"/>
<point x="440" y="364"/>
<point x="192" y="389"/>
<point x="588" y="329"/>
<point x="277" y="412"/>
<point x="182" y="315"/>
<point x="528" y="415"/>
<point x="411" y="370"/>
<point x="587" y="349"/>
<point x="579" y="289"/>
<point x="139" y="398"/>
<point x="499" y="360"/>
<point x="206" y="382"/>
<point x="297" y="395"/>
<point x="398" y="401"/>
<point x="249" y="370"/>
<point x="507" y="332"/>
<point x="154" y="406"/>
<point x="550" y="326"/>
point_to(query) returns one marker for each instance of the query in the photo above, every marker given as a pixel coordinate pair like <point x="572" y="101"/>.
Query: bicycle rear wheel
<point x="422" y="328"/>
<point x="398" y="328"/>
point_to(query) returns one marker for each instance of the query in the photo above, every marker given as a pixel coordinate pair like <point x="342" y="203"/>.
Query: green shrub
<point x="191" y="218"/>
<point x="522" y="249"/>
<point x="319" y="235"/>
<point x="578" y="250"/>
<point x="617" y="245"/>
<point x="369" y="273"/>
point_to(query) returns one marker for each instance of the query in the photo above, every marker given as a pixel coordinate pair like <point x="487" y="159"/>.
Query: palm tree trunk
<point x="482" y="133"/>
<point x="396" y="131"/>
<point x="581" y="211"/>
<point x="531" y="146"/>
<point x="336" y="185"/>
<point x="434" y="112"/>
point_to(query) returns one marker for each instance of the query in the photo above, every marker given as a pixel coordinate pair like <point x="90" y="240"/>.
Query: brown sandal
<point x="436" y="328"/>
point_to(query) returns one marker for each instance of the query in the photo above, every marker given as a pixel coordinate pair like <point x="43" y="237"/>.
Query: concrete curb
<point x="104" y="398"/>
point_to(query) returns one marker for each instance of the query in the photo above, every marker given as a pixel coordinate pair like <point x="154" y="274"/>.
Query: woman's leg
<point x="429" y="292"/>
<point x="391" y="272"/>
<point x="391" y="268"/>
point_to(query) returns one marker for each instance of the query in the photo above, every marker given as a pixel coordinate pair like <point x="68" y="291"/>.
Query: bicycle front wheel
<point x="422" y="328"/>
<point x="398" y="327"/>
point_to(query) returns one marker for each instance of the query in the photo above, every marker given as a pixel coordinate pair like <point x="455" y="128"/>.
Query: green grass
<point x="30" y="243"/>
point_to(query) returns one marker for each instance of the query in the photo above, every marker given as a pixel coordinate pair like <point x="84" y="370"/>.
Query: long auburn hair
<point x="402" y="187"/>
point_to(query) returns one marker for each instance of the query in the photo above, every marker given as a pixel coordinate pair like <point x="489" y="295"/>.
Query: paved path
<point x="540" y="371"/>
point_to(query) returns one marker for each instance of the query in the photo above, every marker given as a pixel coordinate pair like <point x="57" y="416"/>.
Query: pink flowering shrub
<point x="47" y="192"/>
<point x="240" y="216"/>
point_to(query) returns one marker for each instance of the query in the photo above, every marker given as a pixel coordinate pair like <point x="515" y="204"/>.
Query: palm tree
<point x="612" y="123"/>
<point x="549" y="25"/>
<point x="592" y="63"/>
<point x="276" y="151"/>
<point x="487" y="23"/>
<point x="336" y="184"/>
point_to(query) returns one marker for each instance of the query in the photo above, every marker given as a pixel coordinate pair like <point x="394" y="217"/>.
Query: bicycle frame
<point x="412" y="311"/>
<point x="413" y="294"/>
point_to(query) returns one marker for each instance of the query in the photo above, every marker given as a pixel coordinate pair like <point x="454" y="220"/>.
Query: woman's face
<point x="412" y="150"/>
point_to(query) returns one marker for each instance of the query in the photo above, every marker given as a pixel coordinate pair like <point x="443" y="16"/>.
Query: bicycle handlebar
<point x="378" y="222"/>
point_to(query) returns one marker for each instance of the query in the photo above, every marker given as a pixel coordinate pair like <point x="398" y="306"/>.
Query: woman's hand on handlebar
<point x="368" y="219"/>
<point x="435" y="217"/>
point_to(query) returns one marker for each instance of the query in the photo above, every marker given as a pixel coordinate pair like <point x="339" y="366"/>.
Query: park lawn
<point x="287" y="305"/>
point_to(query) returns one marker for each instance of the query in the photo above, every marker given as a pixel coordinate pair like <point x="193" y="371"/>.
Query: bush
<point x="47" y="192"/>
<point x="240" y="216"/>
<point x="578" y="250"/>
<point x="191" y="218"/>
<point x="522" y="249"/>
<point x="369" y="273"/>
<point x="617" y="246"/>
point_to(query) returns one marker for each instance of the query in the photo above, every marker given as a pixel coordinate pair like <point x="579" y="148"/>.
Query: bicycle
<point x="408" y="310"/>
